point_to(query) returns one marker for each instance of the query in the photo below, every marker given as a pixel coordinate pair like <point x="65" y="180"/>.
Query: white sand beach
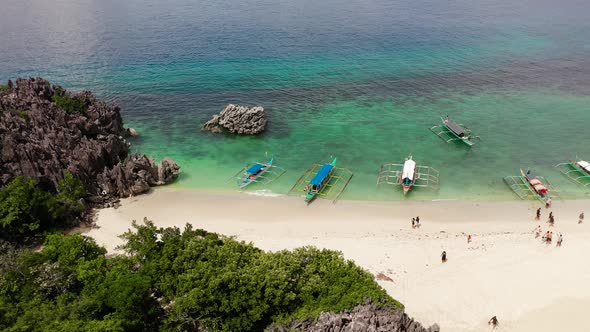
<point x="504" y="271"/>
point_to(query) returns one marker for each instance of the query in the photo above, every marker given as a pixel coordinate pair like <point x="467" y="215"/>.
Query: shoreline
<point x="504" y="258"/>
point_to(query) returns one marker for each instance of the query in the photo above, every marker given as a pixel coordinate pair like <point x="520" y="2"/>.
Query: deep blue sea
<point x="362" y="80"/>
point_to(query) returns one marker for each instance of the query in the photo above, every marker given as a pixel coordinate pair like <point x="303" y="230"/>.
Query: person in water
<point x="493" y="322"/>
<point x="443" y="256"/>
<point x="538" y="214"/>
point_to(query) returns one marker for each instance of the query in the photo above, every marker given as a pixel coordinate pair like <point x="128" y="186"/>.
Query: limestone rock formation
<point x="363" y="318"/>
<point x="45" y="130"/>
<point x="238" y="120"/>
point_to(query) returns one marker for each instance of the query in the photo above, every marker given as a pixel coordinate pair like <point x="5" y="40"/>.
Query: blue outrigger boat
<point x="316" y="184"/>
<point x="254" y="172"/>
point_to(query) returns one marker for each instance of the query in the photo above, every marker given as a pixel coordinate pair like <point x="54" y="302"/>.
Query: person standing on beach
<point x="581" y="218"/>
<point x="548" y="202"/>
<point x="418" y="221"/>
<point x="493" y="322"/>
<point x="469" y="238"/>
<point x="538" y="214"/>
<point x="559" y="240"/>
<point x="551" y="221"/>
<point x="413" y="222"/>
<point x="443" y="256"/>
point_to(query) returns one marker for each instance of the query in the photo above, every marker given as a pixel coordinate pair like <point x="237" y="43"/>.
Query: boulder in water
<point x="238" y="120"/>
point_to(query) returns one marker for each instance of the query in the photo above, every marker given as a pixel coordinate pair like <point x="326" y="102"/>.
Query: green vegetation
<point x="25" y="209"/>
<point x="22" y="114"/>
<point x="70" y="105"/>
<point x="173" y="280"/>
<point x="4" y="87"/>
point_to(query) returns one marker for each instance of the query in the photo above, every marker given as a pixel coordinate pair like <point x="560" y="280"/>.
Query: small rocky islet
<point x="239" y="120"/>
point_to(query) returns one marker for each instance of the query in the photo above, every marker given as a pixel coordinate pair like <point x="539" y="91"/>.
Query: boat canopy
<point x="458" y="130"/>
<point x="409" y="168"/>
<point x="254" y="168"/>
<point x="585" y="165"/>
<point x="321" y="175"/>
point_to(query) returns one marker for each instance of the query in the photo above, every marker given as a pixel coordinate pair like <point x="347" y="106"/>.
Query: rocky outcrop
<point x="238" y="120"/>
<point x="363" y="318"/>
<point x="131" y="132"/>
<point x="45" y="130"/>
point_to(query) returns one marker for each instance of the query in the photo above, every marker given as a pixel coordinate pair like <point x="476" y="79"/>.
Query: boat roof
<point x="321" y="174"/>
<point x="454" y="127"/>
<point x="254" y="168"/>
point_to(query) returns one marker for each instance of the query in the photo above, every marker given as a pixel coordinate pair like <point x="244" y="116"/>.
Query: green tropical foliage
<point x="68" y="104"/>
<point x="25" y="209"/>
<point x="173" y="280"/>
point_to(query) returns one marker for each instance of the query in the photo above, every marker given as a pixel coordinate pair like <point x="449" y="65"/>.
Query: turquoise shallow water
<point x="362" y="81"/>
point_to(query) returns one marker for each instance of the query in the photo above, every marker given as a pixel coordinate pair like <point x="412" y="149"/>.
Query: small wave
<point x="263" y="192"/>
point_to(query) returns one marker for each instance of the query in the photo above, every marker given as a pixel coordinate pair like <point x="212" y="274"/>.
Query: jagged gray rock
<point x="40" y="140"/>
<point x="363" y="318"/>
<point x="238" y="120"/>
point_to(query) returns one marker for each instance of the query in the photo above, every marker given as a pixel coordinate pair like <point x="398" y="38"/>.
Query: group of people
<point x="548" y="237"/>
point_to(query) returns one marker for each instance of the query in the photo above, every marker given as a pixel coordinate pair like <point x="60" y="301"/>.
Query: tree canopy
<point x="170" y="279"/>
<point x="26" y="209"/>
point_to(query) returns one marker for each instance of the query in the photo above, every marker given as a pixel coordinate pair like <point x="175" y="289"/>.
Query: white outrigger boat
<point x="408" y="175"/>
<point x="577" y="171"/>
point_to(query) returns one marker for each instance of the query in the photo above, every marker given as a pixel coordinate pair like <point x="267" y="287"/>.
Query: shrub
<point x="68" y="104"/>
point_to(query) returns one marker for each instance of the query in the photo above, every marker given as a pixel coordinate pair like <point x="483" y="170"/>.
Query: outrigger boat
<point x="577" y="171"/>
<point x="319" y="180"/>
<point x="254" y="172"/>
<point x="451" y="131"/>
<point x="258" y="172"/>
<point x="535" y="183"/>
<point x="322" y="180"/>
<point x="408" y="175"/>
<point x="529" y="186"/>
